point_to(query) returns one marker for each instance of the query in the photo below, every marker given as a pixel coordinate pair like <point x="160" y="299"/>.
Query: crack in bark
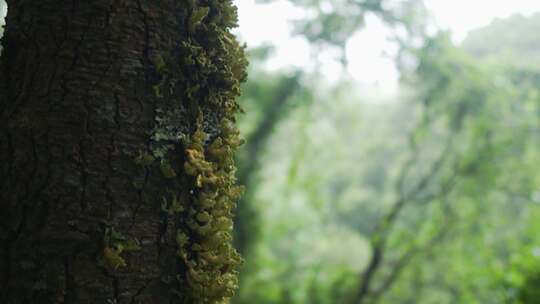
<point x="114" y="282"/>
<point x="64" y="168"/>
<point x="69" y="280"/>
<point x="27" y="85"/>
<point x="146" y="62"/>
<point x="110" y="151"/>
<point x="139" y="292"/>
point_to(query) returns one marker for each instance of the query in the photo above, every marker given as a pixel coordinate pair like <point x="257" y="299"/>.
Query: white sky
<point x="261" y="23"/>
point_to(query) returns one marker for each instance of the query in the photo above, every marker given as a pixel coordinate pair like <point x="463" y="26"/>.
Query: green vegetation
<point x="117" y="147"/>
<point x="430" y="197"/>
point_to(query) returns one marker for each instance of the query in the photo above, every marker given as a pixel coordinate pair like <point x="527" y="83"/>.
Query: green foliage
<point x="334" y="22"/>
<point x="334" y="171"/>
<point x="3" y="11"/>
<point x="522" y="281"/>
<point x="513" y="41"/>
<point x="529" y="293"/>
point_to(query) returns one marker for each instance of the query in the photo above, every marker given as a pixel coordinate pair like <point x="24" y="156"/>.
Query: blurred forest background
<point x="429" y="194"/>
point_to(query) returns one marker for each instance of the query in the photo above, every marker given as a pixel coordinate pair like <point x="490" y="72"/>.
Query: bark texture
<point x="116" y="135"/>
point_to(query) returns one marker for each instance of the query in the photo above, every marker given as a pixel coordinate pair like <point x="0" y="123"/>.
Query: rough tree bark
<point x="116" y="142"/>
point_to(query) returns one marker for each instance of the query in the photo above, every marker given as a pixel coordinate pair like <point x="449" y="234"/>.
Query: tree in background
<point x="272" y="98"/>
<point x="493" y="200"/>
<point x="335" y="190"/>
<point x="452" y="143"/>
<point x="508" y="46"/>
<point x="510" y="41"/>
<point x="268" y="99"/>
<point x="117" y="141"/>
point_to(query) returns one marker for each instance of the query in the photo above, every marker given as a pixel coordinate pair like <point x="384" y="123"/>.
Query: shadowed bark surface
<point x="81" y="221"/>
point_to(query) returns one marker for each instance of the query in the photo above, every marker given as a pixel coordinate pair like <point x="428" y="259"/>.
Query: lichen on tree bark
<point x="117" y="136"/>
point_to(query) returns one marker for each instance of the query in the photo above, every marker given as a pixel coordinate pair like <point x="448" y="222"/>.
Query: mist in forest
<point x="390" y="154"/>
<point x="390" y="157"/>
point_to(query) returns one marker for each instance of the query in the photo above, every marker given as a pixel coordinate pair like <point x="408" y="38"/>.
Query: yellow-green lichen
<point x="192" y="147"/>
<point x="144" y="159"/>
<point x="210" y="259"/>
<point x="114" y="245"/>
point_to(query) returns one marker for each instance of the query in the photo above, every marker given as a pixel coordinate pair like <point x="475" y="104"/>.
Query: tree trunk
<point x="247" y="222"/>
<point x="116" y="141"/>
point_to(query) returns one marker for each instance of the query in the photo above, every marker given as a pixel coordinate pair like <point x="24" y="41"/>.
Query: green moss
<point x="195" y="117"/>
<point x="114" y="245"/>
<point x="144" y="159"/>
<point x="167" y="170"/>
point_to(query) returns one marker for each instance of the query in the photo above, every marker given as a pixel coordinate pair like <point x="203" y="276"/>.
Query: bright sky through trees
<point x="369" y="52"/>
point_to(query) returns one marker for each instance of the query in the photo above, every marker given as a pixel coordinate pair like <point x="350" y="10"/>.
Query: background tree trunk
<point x="247" y="221"/>
<point x="115" y="144"/>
